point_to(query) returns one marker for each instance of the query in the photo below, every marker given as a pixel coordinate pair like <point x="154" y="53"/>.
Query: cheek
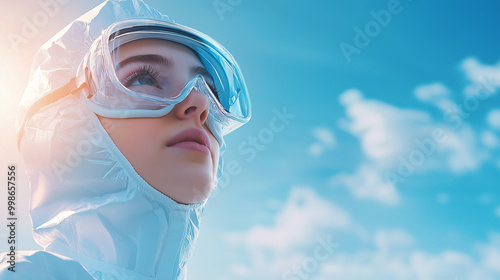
<point x="215" y="154"/>
<point x="135" y="138"/>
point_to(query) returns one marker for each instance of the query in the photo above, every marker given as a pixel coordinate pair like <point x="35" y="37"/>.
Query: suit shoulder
<point x="41" y="265"/>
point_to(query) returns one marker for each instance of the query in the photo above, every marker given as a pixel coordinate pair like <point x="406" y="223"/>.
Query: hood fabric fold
<point x="87" y="201"/>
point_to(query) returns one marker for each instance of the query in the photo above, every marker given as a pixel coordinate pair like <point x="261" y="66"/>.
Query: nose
<point x="195" y="105"/>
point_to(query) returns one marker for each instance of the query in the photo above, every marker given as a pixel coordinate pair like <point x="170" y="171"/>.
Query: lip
<point x="191" y="139"/>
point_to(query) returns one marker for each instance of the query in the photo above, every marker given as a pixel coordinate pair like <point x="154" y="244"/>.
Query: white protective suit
<point x="95" y="217"/>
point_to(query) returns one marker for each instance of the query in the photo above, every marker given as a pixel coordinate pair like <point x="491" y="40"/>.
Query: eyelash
<point x="139" y="72"/>
<point x="149" y="70"/>
<point x="214" y="90"/>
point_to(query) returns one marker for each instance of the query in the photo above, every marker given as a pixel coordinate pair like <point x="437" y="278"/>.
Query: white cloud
<point x="293" y="248"/>
<point x="397" y="139"/>
<point x="398" y="259"/>
<point x="490" y="253"/>
<point x="493" y="119"/>
<point x="392" y="240"/>
<point x="316" y="149"/>
<point x="385" y="131"/>
<point x="391" y="256"/>
<point x="326" y="140"/>
<point x="351" y="96"/>
<point x="325" y="136"/>
<point x="484" y="79"/>
<point x="463" y="153"/>
<point x="388" y="134"/>
<point x="304" y="219"/>
<point x="431" y="92"/>
<point x="398" y="143"/>
<point x="239" y="270"/>
<point x="302" y="214"/>
<point x="489" y="139"/>
<point x="436" y="93"/>
<point x="368" y="183"/>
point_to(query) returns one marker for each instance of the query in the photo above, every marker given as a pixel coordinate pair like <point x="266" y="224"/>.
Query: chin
<point x="187" y="188"/>
<point x="199" y="192"/>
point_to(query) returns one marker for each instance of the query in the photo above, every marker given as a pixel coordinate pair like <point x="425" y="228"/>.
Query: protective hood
<point x="87" y="201"/>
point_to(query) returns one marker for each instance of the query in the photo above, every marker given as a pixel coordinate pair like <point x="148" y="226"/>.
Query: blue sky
<point x="328" y="130"/>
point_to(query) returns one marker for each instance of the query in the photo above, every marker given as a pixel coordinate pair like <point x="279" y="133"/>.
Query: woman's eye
<point x="143" y="76"/>
<point x="144" y="80"/>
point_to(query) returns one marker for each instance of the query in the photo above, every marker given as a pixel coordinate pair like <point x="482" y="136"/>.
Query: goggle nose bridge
<point x="198" y="83"/>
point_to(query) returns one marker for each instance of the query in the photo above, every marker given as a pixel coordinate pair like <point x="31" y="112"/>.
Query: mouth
<point x="191" y="139"/>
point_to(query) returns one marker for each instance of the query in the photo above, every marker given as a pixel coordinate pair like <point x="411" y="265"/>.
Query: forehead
<point x="177" y="54"/>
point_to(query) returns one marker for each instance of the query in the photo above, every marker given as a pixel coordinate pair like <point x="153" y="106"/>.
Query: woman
<point x="122" y="132"/>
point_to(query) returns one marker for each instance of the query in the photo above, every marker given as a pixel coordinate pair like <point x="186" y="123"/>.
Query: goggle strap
<point x="73" y="86"/>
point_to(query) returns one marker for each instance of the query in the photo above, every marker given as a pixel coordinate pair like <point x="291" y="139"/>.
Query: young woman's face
<point x="176" y="154"/>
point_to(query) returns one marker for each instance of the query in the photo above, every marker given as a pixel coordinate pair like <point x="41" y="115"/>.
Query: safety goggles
<point x="126" y="75"/>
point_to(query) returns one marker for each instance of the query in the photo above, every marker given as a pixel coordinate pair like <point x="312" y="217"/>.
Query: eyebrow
<point x="147" y="58"/>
